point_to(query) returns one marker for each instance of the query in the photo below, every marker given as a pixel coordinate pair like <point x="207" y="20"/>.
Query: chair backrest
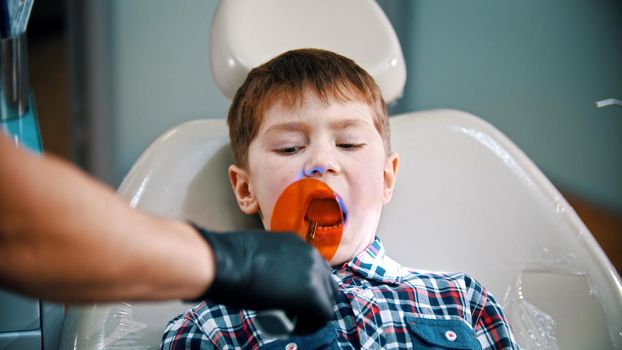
<point x="467" y="199"/>
<point x="183" y="174"/>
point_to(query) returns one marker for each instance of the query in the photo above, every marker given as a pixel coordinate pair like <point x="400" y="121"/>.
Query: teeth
<point x="329" y="227"/>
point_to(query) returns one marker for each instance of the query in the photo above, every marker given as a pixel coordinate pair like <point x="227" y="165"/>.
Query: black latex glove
<point x="259" y="270"/>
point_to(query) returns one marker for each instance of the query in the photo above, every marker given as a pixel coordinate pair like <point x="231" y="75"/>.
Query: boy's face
<point x="336" y="143"/>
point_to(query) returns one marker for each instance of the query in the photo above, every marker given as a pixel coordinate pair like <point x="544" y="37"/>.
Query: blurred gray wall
<point x="532" y="68"/>
<point x="141" y="67"/>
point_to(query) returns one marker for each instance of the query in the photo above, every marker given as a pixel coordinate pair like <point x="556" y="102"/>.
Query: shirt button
<point x="291" y="346"/>
<point x="451" y="335"/>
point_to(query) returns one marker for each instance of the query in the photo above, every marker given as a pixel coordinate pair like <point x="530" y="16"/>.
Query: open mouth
<point x="324" y="211"/>
<point x="323" y="216"/>
<point x="311" y="209"/>
<point x="324" y="219"/>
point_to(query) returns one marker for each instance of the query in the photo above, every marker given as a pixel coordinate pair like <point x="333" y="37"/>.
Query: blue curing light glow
<point x="316" y="169"/>
<point x="343" y="209"/>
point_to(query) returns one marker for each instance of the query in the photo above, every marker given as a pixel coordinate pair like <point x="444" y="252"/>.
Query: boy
<point x="313" y="113"/>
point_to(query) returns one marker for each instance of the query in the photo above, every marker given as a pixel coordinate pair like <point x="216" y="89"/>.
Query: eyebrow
<point x="346" y="123"/>
<point x="288" y="126"/>
<point x="302" y="126"/>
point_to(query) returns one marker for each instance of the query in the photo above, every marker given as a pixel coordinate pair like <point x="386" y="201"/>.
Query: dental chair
<point x="464" y="191"/>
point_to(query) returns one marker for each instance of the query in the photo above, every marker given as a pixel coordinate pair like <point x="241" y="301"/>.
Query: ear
<point x="240" y="183"/>
<point x="390" y="176"/>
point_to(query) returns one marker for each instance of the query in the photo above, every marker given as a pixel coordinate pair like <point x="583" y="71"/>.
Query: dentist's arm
<point x="64" y="236"/>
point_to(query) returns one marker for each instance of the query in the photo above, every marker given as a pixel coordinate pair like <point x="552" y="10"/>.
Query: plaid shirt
<point x="380" y="305"/>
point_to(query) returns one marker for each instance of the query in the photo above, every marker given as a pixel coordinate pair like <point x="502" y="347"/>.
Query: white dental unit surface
<point x="465" y="192"/>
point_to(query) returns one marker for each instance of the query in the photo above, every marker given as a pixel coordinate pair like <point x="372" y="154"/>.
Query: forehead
<point x="312" y="110"/>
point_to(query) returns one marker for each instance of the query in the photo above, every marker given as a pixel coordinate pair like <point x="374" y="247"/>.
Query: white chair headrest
<point x="247" y="33"/>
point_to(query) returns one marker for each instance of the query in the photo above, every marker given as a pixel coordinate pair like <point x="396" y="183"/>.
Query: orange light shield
<point x="311" y="209"/>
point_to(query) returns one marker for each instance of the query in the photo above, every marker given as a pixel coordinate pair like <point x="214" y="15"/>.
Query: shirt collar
<point x="374" y="264"/>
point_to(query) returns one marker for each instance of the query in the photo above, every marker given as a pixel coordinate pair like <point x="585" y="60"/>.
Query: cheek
<point x="269" y="182"/>
<point x="369" y="184"/>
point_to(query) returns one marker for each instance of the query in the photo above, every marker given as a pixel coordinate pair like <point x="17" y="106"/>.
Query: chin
<point x="336" y="261"/>
<point x="344" y="254"/>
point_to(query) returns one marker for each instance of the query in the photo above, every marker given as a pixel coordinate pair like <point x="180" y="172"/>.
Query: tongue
<point x="324" y="211"/>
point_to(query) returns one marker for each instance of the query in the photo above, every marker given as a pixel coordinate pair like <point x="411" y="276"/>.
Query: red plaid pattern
<point x="377" y="300"/>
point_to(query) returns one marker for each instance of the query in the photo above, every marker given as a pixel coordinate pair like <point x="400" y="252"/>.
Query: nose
<point x="316" y="170"/>
<point x="320" y="163"/>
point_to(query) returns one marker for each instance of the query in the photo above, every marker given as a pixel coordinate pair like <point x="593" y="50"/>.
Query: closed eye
<point x="351" y="146"/>
<point x="289" y="150"/>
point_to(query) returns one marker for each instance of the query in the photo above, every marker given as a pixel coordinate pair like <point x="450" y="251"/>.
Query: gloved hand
<point x="259" y="270"/>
